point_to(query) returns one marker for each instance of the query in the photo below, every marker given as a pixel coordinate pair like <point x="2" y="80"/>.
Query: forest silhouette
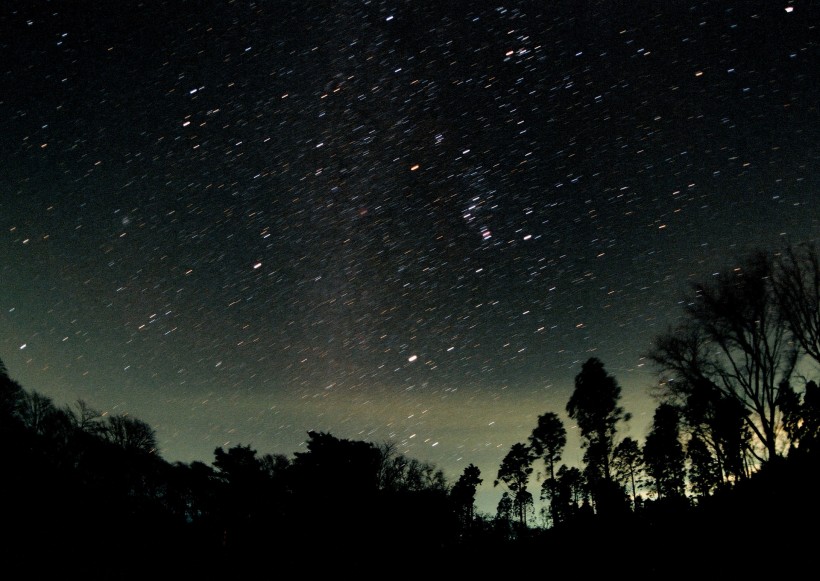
<point x="724" y="483"/>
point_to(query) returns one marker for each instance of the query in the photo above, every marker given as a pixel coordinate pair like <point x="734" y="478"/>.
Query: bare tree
<point x="38" y="412"/>
<point x="733" y="341"/>
<point x="84" y="417"/>
<point x="397" y="472"/>
<point x="131" y="434"/>
<point x="796" y="284"/>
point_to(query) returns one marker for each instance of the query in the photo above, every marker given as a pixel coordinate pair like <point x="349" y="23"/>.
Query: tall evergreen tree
<point x="627" y="465"/>
<point x="463" y="494"/>
<point x="663" y="453"/>
<point x="547" y="442"/>
<point x="594" y="406"/>
<point x="704" y="471"/>
<point x="515" y="471"/>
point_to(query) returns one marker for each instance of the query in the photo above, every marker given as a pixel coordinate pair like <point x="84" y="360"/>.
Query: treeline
<point x="727" y="469"/>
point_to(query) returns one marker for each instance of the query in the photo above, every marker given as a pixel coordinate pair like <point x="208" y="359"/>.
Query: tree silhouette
<point x="463" y="494"/>
<point x="547" y="442"/>
<point x="353" y="466"/>
<point x="274" y="466"/>
<point x="704" y="470"/>
<point x="802" y="419"/>
<point x="131" y="434"/>
<point x="339" y="498"/>
<point x="627" y="465"/>
<point x="36" y="411"/>
<point x="192" y="494"/>
<point x="238" y="464"/>
<point x="719" y="422"/>
<point x="569" y="494"/>
<point x="594" y="406"/>
<point x="734" y="341"/>
<point x="663" y="453"/>
<point x="504" y="514"/>
<point x="336" y="482"/>
<point x="84" y="417"/>
<point x="796" y="285"/>
<point x="514" y="472"/>
<point x="241" y="497"/>
<point x="548" y="439"/>
<point x="11" y="399"/>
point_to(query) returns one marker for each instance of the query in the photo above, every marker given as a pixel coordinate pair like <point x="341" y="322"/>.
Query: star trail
<point x="393" y="221"/>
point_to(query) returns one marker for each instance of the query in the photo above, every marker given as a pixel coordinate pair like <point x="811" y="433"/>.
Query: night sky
<point x="405" y="222"/>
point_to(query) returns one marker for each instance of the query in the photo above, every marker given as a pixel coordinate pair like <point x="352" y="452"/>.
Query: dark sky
<point x="393" y="221"/>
